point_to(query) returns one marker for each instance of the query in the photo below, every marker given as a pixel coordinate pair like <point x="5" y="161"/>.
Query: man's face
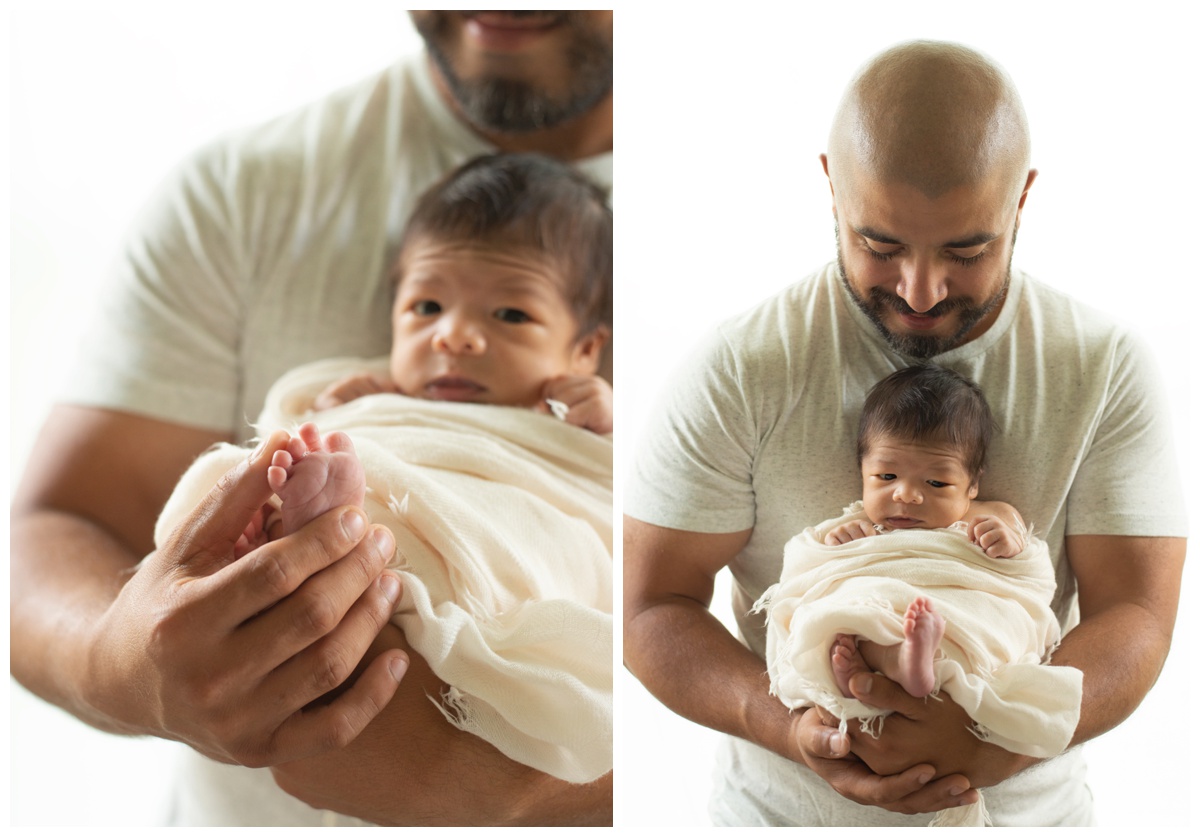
<point x="930" y="273"/>
<point x="517" y="72"/>
<point x="485" y="325"/>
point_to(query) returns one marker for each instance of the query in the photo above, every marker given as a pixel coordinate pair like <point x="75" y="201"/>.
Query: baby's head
<point x="504" y="282"/>
<point x="922" y="446"/>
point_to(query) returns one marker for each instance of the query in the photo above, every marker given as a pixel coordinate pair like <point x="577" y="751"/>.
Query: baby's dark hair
<point x="927" y="403"/>
<point x="533" y="202"/>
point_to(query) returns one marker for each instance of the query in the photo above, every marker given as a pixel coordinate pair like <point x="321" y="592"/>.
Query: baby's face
<point x="915" y="485"/>
<point x="483" y="325"/>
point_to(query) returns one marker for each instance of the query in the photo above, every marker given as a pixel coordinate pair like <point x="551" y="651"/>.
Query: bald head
<point x="933" y="115"/>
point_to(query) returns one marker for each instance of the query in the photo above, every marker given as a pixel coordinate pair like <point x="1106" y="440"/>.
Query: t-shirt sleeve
<point x="694" y="464"/>
<point x="164" y="340"/>
<point x="1128" y="483"/>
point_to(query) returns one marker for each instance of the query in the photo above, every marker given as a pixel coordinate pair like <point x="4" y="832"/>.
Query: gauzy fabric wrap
<point x="999" y="628"/>
<point x="503" y="525"/>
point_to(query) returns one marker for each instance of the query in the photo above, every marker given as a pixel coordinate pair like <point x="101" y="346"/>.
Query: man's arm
<point x="1128" y="598"/>
<point x="189" y="644"/>
<point x="410" y="767"/>
<point x="690" y="662"/>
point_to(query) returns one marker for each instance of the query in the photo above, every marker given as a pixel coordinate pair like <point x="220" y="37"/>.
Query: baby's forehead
<point x="932" y="453"/>
<point x="510" y="266"/>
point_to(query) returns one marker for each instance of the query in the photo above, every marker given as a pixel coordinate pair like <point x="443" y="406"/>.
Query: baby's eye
<point x="425" y="307"/>
<point x="886" y="477"/>
<point x="512" y="315"/>
<point x="937" y="484"/>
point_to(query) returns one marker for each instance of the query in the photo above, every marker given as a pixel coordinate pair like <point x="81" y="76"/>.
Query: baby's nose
<point x="459" y="336"/>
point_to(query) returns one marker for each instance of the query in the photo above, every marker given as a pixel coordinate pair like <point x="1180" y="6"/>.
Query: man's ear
<point x="585" y="356"/>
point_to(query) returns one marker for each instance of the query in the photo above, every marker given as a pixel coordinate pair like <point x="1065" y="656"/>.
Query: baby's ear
<point x="585" y="357"/>
<point x="973" y="491"/>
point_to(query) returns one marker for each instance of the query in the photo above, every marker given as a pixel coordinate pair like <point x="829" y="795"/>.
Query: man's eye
<point x="967" y="261"/>
<point x="425" y="307"/>
<point x="512" y="315"/>
<point x="878" y="256"/>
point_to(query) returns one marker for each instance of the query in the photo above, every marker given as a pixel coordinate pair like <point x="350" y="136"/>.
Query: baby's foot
<point x="923" y="631"/>
<point x="313" y="475"/>
<point x="846" y="661"/>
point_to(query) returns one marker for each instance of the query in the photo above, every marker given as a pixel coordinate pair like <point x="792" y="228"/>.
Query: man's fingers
<point x="878" y="691"/>
<point x="260" y="584"/>
<point x="205" y="541"/>
<point x="330" y="726"/>
<point x="327" y="663"/>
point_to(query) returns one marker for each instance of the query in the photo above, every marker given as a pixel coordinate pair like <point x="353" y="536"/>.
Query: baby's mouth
<point x="454" y="388"/>
<point x="903" y="522"/>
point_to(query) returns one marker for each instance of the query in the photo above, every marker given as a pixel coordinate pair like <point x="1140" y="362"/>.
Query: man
<point x="266" y="251"/>
<point x="928" y="163"/>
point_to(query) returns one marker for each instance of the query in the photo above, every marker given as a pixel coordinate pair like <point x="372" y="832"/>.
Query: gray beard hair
<point x="919" y="346"/>
<point x="514" y="107"/>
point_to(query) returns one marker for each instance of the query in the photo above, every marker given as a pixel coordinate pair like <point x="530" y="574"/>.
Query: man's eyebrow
<point x="970" y="241"/>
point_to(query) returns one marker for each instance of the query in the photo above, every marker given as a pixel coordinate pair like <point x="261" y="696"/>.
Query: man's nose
<point x="458" y="335"/>
<point x="922" y="284"/>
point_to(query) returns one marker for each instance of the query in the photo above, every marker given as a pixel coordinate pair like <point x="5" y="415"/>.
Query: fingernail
<point x="397" y="667"/>
<point x="382" y="539"/>
<point x="837" y="742"/>
<point x="390" y="586"/>
<point x="354" y="524"/>
<point x="924" y="777"/>
<point x="957" y="791"/>
<point x="863" y="684"/>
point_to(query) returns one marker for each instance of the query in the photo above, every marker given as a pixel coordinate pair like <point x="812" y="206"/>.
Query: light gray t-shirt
<point x="757" y="431"/>
<point x="269" y="249"/>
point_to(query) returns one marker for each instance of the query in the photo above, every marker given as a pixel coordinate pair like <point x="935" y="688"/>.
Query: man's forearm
<point x="65" y="573"/>
<point x="1120" y="652"/>
<point x="690" y="661"/>
<point x="1128" y="598"/>
<point x="410" y="767"/>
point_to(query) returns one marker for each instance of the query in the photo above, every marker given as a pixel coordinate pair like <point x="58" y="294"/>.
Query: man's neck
<point x="584" y="136"/>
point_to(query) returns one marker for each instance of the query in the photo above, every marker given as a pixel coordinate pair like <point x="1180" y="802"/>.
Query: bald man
<point x="928" y="163"/>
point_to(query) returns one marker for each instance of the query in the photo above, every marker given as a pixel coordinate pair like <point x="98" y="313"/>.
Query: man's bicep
<point x="1115" y="570"/>
<point x="661" y="563"/>
<point x="112" y="468"/>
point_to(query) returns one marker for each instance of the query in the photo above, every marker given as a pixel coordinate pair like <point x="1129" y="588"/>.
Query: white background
<point x="722" y="202"/>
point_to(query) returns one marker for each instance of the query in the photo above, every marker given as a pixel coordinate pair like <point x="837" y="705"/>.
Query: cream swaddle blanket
<point x="503" y="525"/>
<point x="999" y="629"/>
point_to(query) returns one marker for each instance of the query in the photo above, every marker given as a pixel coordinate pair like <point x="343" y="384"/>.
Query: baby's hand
<point x="852" y="531"/>
<point x="995" y="537"/>
<point x="350" y="388"/>
<point x="588" y="399"/>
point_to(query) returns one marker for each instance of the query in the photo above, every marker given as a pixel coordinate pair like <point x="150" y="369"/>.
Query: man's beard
<point x="923" y="346"/>
<point x="507" y="106"/>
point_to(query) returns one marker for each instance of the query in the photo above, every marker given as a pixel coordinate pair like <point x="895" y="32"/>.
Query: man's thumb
<point x="203" y="541"/>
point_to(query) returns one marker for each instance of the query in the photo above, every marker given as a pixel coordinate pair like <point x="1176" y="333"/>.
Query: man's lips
<point x="921" y="322"/>
<point x="509" y="30"/>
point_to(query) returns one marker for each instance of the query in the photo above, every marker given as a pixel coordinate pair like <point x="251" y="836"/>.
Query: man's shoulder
<point x="1059" y="315"/>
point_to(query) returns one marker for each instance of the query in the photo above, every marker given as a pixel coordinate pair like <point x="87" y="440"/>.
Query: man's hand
<point x="227" y="654"/>
<point x="910" y="789"/>
<point x="588" y="399"/>
<point x="931" y="731"/>
<point x="193" y="643"/>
